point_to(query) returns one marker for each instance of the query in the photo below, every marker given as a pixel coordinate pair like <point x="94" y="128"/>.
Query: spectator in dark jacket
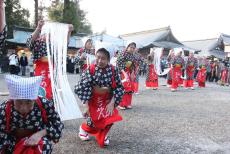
<point x="23" y="63"/>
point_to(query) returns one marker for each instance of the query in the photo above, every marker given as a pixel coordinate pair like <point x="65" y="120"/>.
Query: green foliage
<point x="15" y="15"/>
<point x="55" y="13"/>
<point x="69" y="13"/>
<point x="71" y="16"/>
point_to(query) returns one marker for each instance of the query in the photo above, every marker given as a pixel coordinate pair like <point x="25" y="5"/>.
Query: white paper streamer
<point x="157" y="61"/>
<point x="65" y="102"/>
<point x="90" y="59"/>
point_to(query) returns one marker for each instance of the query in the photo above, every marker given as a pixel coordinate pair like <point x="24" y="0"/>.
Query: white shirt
<point x="13" y="60"/>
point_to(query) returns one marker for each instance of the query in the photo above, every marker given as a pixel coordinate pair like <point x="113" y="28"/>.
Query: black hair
<point x="89" y="40"/>
<point x="104" y="51"/>
<point x="149" y="58"/>
<point x="132" y="43"/>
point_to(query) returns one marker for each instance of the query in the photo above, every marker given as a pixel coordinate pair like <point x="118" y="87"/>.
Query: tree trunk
<point x="36" y="12"/>
<point x="66" y="6"/>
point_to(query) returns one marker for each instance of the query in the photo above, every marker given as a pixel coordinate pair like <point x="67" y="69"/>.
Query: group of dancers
<point x="177" y="64"/>
<point x="29" y="122"/>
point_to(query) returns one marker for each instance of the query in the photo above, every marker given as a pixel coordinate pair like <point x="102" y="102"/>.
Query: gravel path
<point x="187" y="121"/>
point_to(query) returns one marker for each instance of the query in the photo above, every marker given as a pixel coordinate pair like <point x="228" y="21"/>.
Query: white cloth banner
<point x="157" y="61"/>
<point x="64" y="99"/>
<point x="90" y="59"/>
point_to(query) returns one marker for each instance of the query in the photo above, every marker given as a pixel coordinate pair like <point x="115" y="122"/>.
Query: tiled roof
<point x="161" y="37"/>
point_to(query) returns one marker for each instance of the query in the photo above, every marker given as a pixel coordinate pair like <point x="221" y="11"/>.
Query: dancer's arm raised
<point x="37" y="31"/>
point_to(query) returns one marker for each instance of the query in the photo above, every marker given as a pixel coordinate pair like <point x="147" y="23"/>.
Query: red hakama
<point x="201" y="77"/>
<point x="128" y="87"/>
<point x="102" y="121"/>
<point x="152" y="79"/>
<point x="189" y="81"/>
<point x="176" y="76"/>
<point x="224" y="77"/>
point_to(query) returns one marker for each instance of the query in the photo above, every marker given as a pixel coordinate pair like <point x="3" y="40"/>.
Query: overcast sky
<point x="188" y="19"/>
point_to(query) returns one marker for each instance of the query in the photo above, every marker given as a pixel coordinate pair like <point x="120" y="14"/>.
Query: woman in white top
<point x="13" y="64"/>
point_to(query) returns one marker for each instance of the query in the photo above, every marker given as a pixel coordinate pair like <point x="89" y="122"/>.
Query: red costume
<point x="102" y="121"/>
<point x="98" y="86"/>
<point x="128" y="87"/>
<point x="201" y="77"/>
<point x="189" y="72"/>
<point x="152" y="77"/>
<point x="177" y="63"/>
<point x="224" y="76"/>
<point x="126" y="61"/>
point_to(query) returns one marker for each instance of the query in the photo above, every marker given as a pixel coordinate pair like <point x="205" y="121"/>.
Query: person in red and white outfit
<point x="202" y="72"/>
<point x="126" y="64"/>
<point x="86" y="55"/>
<point x="138" y="62"/>
<point x="224" y="75"/>
<point x="100" y="90"/>
<point x="190" y="67"/>
<point x="169" y="75"/>
<point x="201" y="76"/>
<point x="37" y="44"/>
<point x="151" y="77"/>
<point x="177" y="65"/>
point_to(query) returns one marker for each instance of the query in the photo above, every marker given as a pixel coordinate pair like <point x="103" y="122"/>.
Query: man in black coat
<point x="23" y="63"/>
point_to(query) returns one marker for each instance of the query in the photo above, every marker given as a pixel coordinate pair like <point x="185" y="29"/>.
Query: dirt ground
<point x="161" y="122"/>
